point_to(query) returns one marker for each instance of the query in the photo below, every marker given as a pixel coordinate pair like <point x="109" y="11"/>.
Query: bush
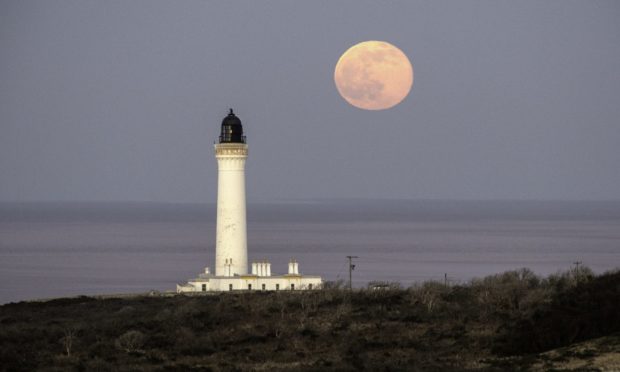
<point x="588" y="308"/>
<point x="130" y="342"/>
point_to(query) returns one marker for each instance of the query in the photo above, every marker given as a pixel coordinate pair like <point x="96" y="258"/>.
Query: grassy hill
<point x="505" y="321"/>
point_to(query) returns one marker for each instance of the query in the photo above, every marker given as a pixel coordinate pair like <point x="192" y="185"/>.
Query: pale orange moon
<point x="373" y="75"/>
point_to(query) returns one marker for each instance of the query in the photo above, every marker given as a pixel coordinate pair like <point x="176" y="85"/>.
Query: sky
<point x="122" y="100"/>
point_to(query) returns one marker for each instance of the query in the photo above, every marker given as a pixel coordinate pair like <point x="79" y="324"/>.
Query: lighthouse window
<point x="249" y="287"/>
<point x="204" y="287"/>
<point x="292" y="286"/>
<point x="263" y="287"/>
<point x="230" y="287"/>
<point x="277" y="287"/>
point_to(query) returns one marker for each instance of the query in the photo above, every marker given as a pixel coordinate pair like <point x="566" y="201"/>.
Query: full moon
<point x="373" y="75"/>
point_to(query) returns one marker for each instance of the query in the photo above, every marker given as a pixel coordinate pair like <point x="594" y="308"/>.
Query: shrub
<point x="429" y="294"/>
<point x="588" y="309"/>
<point x="130" y="342"/>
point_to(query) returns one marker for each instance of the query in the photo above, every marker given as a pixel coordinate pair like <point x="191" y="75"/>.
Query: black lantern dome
<point x="232" y="130"/>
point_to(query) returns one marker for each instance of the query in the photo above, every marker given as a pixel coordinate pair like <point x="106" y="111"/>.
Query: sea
<point x="50" y="250"/>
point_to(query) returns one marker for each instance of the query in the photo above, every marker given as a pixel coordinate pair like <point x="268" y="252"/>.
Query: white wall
<point x="241" y="283"/>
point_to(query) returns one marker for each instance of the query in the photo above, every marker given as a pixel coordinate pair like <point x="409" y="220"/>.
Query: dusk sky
<point x="122" y="100"/>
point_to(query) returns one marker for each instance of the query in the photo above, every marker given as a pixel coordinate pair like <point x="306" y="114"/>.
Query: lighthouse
<point x="231" y="151"/>
<point x="231" y="237"/>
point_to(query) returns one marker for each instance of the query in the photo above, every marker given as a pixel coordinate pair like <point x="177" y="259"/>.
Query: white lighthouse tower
<point x="231" y="237"/>
<point x="231" y="248"/>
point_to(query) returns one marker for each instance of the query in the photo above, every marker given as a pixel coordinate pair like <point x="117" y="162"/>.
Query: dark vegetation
<point x="495" y="323"/>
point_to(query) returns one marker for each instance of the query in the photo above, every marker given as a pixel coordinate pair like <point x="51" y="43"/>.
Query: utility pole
<point x="577" y="263"/>
<point x="351" y="268"/>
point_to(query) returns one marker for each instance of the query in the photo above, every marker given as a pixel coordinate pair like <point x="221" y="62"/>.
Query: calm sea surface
<point x="50" y="250"/>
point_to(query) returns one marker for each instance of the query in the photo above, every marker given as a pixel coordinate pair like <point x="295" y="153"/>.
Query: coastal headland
<point x="510" y="321"/>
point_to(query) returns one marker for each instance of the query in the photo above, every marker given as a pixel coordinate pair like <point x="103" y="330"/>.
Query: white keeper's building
<point x="231" y="249"/>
